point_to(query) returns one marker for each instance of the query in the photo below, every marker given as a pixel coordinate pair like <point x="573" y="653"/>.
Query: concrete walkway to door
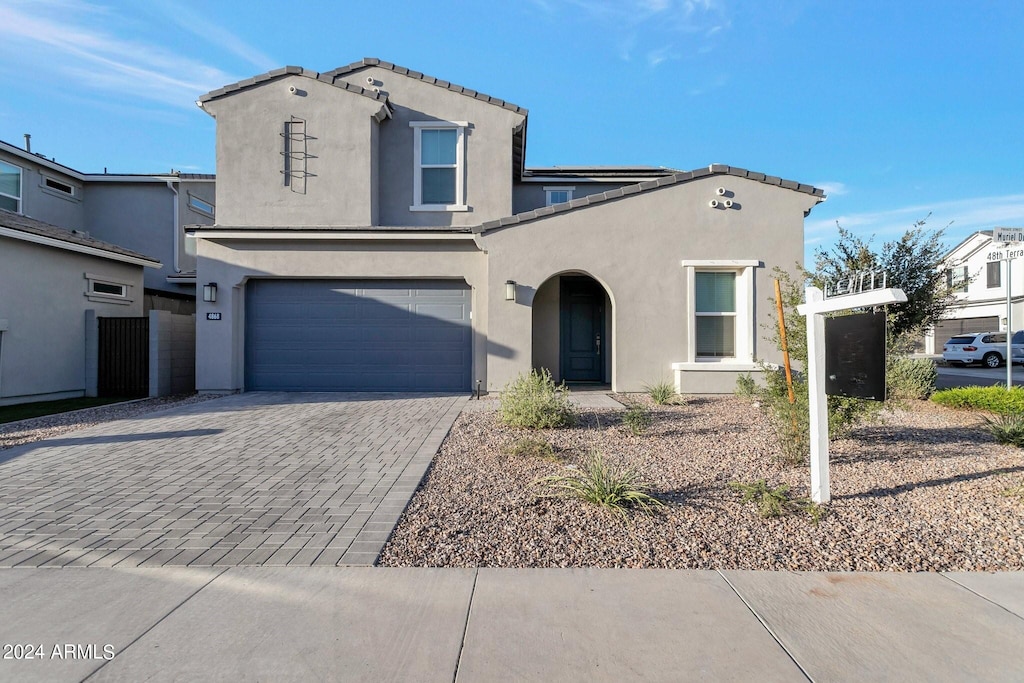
<point x="268" y="479"/>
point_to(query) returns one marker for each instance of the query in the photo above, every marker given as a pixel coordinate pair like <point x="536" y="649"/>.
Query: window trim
<point x="957" y="286"/>
<point x="201" y="211"/>
<point x="548" y="189"/>
<point x="21" y="186"/>
<point x="745" y="326"/>
<point x="92" y="295"/>
<point x="76" y="190"/>
<point x="460" y="165"/>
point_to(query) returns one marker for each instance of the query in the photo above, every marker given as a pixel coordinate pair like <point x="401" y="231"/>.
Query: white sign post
<point x="1010" y="237"/>
<point x="815" y="309"/>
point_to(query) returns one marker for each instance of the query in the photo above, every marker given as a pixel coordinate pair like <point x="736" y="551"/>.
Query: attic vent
<point x="295" y="154"/>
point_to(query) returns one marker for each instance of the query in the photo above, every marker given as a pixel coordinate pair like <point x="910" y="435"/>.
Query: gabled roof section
<point x="647" y="186"/>
<point x="981" y="237"/>
<point x="297" y="71"/>
<point x="51" y="235"/>
<point x="367" y="62"/>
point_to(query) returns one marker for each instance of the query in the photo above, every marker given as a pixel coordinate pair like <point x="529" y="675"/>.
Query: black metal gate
<point x="123" y="357"/>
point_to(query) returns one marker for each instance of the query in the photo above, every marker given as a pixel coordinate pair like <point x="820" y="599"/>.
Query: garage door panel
<point x="340" y="335"/>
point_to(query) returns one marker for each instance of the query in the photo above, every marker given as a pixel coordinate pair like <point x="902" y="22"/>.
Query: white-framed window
<point x="439" y="165"/>
<point x="957" y="279"/>
<point x="557" y="195"/>
<point x="58" y="187"/>
<point x="10" y="187"/>
<point x="200" y="205"/>
<point x="720" y="305"/>
<point x="109" y="290"/>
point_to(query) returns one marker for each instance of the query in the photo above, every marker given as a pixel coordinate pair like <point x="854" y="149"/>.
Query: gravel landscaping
<point x="39" y="428"/>
<point x="921" y="489"/>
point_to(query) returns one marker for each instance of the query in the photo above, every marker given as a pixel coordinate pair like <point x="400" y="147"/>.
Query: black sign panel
<point x="855" y="356"/>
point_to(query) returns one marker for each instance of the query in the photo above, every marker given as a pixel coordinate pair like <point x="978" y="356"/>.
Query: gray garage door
<point x="357" y="335"/>
<point x="950" y="328"/>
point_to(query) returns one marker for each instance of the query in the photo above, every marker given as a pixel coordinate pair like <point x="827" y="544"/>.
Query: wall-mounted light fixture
<point x="210" y="292"/>
<point x="510" y="290"/>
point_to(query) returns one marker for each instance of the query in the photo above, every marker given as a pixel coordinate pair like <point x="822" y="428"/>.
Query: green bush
<point x="746" y="387"/>
<point x="775" y="502"/>
<point x="532" y="447"/>
<point x="534" y="401"/>
<point x="993" y="399"/>
<point x="662" y="393"/>
<point x="637" y="418"/>
<point x="1008" y="428"/>
<point x="617" y="489"/>
<point x="910" y="378"/>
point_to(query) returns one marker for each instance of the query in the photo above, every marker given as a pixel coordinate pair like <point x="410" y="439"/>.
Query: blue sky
<point x="896" y="109"/>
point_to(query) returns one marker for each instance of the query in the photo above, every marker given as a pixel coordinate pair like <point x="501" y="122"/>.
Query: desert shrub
<point x="746" y="387"/>
<point x="532" y="447"/>
<point x="663" y="393"/>
<point x="910" y="378"/>
<point x="1015" y="492"/>
<point x="775" y="502"/>
<point x="1007" y="428"/>
<point x="637" y="418"/>
<point x="534" y="401"/>
<point x="617" y="489"/>
<point x="993" y="399"/>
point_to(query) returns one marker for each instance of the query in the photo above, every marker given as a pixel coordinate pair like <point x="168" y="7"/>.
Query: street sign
<point x="1005" y="254"/>
<point x="1008" y="235"/>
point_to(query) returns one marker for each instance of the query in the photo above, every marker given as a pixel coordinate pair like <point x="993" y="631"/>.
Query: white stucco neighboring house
<point x="979" y="282"/>
<point x="378" y="229"/>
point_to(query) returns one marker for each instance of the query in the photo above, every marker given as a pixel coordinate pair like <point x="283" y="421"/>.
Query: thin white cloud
<point x="62" y="42"/>
<point x="217" y="35"/>
<point x="832" y="188"/>
<point x="960" y="217"/>
<point x="660" y="30"/>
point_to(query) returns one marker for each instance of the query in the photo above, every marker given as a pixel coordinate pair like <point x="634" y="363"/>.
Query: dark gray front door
<point x="582" y="330"/>
<point x="357" y="335"/>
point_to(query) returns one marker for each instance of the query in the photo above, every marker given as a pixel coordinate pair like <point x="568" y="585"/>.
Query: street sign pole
<point x="1009" y="327"/>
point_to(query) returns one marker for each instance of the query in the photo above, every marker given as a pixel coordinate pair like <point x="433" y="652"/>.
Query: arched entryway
<point x="572" y="329"/>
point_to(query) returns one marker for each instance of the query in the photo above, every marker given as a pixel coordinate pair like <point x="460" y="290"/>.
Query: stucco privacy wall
<point x="250" y="161"/>
<point x="635" y="247"/>
<point x="488" y="172"/>
<point x="231" y="262"/>
<point x="42" y="339"/>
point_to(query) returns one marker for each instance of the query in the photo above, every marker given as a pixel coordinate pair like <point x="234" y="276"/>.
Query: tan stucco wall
<point x="488" y="149"/>
<point x="230" y="263"/>
<point x="250" y="182"/>
<point x="42" y="317"/>
<point x="634" y="247"/>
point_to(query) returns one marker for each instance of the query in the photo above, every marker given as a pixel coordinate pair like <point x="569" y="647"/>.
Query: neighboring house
<point x="144" y="213"/>
<point x="377" y="230"/>
<point x="49" y="278"/>
<point x="980" y="286"/>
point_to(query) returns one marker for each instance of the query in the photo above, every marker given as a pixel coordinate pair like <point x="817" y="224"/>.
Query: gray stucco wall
<point x="220" y="344"/>
<point x="42" y="317"/>
<point x="206" y="191"/>
<point x="635" y="247"/>
<point x="250" y="161"/>
<point x="488" y="174"/>
<point x="530" y="196"/>
<point x="46" y="204"/>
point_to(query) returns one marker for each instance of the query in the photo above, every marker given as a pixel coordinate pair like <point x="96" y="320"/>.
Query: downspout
<point x="177" y="240"/>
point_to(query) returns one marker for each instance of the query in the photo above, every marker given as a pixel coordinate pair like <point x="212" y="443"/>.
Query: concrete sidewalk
<point x="372" y="624"/>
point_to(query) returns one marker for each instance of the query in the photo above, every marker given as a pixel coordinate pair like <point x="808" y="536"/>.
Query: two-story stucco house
<point x="377" y="229"/>
<point x="75" y="245"/>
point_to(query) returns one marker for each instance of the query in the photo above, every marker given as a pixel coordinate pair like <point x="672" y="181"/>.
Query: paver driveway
<point x="250" y="479"/>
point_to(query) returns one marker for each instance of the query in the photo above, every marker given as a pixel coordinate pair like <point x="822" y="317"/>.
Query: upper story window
<point x="956" y="279"/>
<point x="200" y="205"/>
<point x="557" y="195"/>
<point x="439" y="166"/>
<point x="57" y="187"/>
<point x="10" y="187"/>
<point x="993" y="272"/>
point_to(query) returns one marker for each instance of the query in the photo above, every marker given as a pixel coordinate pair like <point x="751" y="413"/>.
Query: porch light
<point x="210" y="292"/>
<point x="510" y="290"/>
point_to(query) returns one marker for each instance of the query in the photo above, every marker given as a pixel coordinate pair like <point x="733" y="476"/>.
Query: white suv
<point x="987" y="348"/>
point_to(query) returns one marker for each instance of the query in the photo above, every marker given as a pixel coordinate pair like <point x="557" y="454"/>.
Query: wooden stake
<point x="785" y="346"/>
